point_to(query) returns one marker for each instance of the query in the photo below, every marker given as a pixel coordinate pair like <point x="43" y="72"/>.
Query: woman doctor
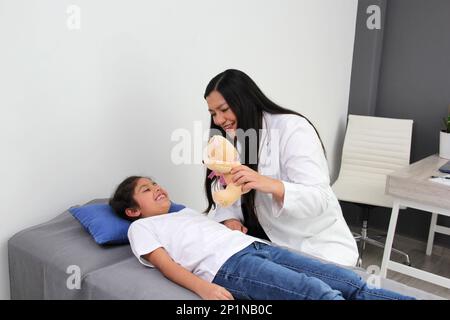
<point x="289" y="200"/>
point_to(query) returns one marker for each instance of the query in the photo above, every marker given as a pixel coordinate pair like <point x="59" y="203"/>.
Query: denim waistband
<point x="252" y="247"/>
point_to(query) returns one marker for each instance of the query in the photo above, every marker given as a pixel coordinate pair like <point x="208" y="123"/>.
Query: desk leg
<point x="431" y="233"/>
<point x="389" y="238"/>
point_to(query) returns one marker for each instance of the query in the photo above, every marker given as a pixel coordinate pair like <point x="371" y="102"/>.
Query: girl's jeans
<point x="265" y="272"/>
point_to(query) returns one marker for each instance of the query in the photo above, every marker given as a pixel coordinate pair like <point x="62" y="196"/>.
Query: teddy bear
<point x="221" y="157"/>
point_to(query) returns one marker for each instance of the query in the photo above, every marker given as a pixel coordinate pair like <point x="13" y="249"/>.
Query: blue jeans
<point x="265" y="272"/>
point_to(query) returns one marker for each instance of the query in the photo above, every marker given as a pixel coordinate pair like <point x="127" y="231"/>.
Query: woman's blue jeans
<point x="265" y="272"/>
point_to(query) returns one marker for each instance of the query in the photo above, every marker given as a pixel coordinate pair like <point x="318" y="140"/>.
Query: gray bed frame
<point x="59" y="260"/>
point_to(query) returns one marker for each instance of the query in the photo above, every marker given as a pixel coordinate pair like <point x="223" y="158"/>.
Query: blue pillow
<point x="103" y="224"/>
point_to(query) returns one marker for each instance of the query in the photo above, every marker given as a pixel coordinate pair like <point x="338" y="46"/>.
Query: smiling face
<point x="151" y="199"/>
<point x="221" y="112"/>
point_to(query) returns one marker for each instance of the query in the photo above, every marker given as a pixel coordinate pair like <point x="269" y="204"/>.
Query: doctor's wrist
<point x="277" y="190"/>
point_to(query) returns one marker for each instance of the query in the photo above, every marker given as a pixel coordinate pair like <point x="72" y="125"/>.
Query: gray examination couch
<point x="41" y="258"/>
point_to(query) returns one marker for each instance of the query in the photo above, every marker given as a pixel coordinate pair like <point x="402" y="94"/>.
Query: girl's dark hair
<point x="123" y="197"/>
<point x="247" y="102"/>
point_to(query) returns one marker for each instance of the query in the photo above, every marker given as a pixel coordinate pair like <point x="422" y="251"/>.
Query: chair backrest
<point x="374" y="147"/>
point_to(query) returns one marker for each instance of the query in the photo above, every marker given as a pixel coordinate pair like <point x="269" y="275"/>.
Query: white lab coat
<point x="310" y="218"/>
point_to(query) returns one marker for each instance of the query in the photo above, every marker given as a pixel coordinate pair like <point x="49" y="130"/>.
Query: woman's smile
<point x="229" y="126"/>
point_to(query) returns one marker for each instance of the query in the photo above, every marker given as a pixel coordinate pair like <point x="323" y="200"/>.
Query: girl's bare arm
<point x="176" y="273"/>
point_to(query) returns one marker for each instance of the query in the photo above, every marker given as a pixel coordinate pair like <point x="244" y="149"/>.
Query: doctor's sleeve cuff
<point x="300" y="201"/>
<point x="277" y="207"/>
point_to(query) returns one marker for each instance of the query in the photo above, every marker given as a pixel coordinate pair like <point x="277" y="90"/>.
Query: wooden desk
<point x="411" y="187"/>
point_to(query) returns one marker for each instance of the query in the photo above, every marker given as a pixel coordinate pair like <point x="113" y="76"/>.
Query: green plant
<point x="447" y="122"/>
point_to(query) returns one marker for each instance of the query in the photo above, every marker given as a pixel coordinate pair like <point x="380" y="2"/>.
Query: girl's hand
<point x="211" y="291"/>
<point x="235" y="224"/>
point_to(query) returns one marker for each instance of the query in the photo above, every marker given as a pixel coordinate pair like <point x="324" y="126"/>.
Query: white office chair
<point x="373" y="147"/>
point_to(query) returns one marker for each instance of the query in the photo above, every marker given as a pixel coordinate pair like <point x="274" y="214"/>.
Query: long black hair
<point x="247" y="102"/>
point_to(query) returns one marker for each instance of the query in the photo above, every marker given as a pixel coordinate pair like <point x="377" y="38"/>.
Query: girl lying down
<point x="215" y="262"/>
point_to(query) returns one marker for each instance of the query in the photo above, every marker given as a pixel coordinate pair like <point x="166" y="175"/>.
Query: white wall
<point x="80" y="110"/>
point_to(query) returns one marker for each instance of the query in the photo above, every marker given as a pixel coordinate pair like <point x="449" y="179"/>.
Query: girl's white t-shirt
<point x="196" y="242"/>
